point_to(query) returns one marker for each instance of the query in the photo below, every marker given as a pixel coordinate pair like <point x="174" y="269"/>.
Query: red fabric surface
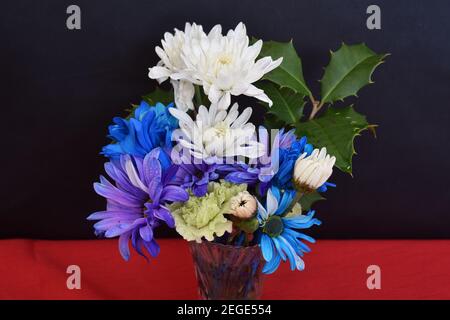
<point x="33" y="269"/>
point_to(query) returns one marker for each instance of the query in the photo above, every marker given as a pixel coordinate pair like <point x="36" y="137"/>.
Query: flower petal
<point x="262" y="213"/>
<point x="266" y="247"/>
<point x="272" y="203"/>
<point x="152" y="247"/>
<point x="272" y="265"/>
<point x="146" y="233"/>
<point x="174" y="193"/>
<point x="124" y="249"/>
<point x="165" y="215"/>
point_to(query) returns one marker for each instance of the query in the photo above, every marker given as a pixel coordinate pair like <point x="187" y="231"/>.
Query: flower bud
<point x="243" y="205"/>
<point x="310" y="172"/>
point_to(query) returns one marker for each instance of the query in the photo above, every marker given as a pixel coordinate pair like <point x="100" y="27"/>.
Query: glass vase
<point x="226" y="272"/>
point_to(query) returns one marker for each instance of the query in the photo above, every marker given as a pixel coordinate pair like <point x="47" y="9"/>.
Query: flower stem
<point x="316" y="107"/>
<point x="297" y="198"/>
<point x="198" y="96"/>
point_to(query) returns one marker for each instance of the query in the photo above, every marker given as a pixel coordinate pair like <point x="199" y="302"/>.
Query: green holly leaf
<point x="309" y="199"/>
<point x="287" y="105"/>
<point x="290" y="73"/>
<point x="159" y="95"/>
<point x="336" y="130"/>
<point x="271" y="121"/>
<point x="349" y="70"/>
<point x="130" y="111"/>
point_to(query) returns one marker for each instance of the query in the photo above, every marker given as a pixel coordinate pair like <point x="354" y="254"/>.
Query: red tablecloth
<point x="31" y="269"/>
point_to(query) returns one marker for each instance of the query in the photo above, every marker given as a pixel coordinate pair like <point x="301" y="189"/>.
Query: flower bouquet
<point x="190" y="159"/>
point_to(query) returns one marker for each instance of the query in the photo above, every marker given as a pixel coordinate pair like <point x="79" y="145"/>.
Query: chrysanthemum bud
<point x="310" y="172"/>
<point x="243" y="205"/>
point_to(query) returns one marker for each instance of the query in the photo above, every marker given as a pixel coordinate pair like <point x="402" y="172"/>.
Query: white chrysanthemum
<point x="171" y="66"/>
<point x="225" y="65"/>
<point x="218" y="134"/>
<point x="313" y="171"/>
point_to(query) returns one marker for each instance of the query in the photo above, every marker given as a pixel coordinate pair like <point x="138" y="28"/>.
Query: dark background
<point x="61" y="88"/>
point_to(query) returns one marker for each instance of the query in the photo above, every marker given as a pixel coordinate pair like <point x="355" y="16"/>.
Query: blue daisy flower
<point x="148" y="128"/>
<point x="279" y="236"/>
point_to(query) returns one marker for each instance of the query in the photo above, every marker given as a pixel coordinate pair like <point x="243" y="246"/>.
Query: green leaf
<point x="159" y="95"/>
<point x="152" y="98"/>
<point x="271" y="121"/>
<point x="290" y="73"/>
<point x="287" y="105"/>
<point x="349" y="70"/>
<point x="336" y="130"/>
<point x="309" y="199"/>
<point x="130" y="111"/>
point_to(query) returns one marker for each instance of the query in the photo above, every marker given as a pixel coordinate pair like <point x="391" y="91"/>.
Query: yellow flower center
<point x="224" y="59"/>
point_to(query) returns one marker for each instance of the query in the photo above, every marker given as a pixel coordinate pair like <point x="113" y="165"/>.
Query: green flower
<point x="204" y="216"/>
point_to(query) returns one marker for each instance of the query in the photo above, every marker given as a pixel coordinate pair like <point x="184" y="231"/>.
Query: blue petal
<point x="286" y="201"/>
<point x="290" y="252"/>
<point x="266" y="247"/>
<point x="141" y="110"/>
<point x="272" y="265"/>
<point x="301" y="221"/>
<point x="112" y="150"/>
<point x="279" y="248"/>
<point x="308" y="149"/>
<point x="276" y="193"/>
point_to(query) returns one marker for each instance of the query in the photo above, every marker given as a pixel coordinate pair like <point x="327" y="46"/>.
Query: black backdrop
<point x="60" y="89"/>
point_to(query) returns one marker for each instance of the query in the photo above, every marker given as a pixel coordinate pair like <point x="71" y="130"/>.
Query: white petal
<point x="262" y="211"/>
<point x="182" y="116"/>
<point x="203" y="116"/>
<point x="253" y="51"/>
<point x="215" y="31"/>
<point x="214" y="94"/>
<point x="212" y="113"/>
<point x="243" y="118"/>
<point x="272" y="203"/>
<point x="134" y="177"/>
<point x="159" y="73"/>
<point x="259" y="94"/>
<point x="233" y="113"/>
<point x="224" y="101"/>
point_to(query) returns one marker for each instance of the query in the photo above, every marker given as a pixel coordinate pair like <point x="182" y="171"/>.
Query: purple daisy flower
<point x="136" y="204"/>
